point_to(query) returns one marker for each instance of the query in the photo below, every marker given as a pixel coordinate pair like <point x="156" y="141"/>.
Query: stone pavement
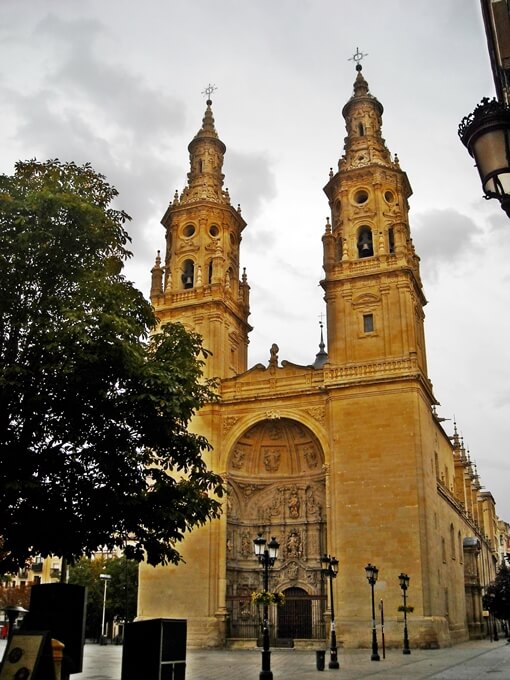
<point x="473" y="660"/>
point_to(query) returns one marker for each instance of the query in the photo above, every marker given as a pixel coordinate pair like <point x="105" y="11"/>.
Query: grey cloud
<point x="250" y="180"/>
<point x="498" y="221"/>
<point x="502" y="399"/>
<point x="443" y="238"/>
<point x="87" y="110"/>
<point x="123" y="99"/>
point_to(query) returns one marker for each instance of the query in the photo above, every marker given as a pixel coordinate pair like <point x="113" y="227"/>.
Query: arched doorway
<point x="295" y="617"/>
<point x="276" y="486"/>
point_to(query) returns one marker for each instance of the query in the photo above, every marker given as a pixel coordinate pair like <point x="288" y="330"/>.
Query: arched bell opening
<point x="188" y="274"/>
<point x="365" y="243"/>
<point x="276" y="486"/>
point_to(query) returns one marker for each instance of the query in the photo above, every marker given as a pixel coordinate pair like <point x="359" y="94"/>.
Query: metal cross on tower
<point x="209" y="90"/>
<point x="357" y="57"/>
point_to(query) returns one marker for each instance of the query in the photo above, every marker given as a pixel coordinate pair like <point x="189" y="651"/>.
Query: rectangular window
<point x="368" y="323"/>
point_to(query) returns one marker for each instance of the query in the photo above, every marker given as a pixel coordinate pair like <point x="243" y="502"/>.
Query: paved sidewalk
<point x="476" y="660"/>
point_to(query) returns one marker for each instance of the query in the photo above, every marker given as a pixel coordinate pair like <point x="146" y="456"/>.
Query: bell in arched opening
<point x="365" y="245"/>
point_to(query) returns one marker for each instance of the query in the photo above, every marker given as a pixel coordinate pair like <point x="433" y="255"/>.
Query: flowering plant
<point x="264" y="597"/>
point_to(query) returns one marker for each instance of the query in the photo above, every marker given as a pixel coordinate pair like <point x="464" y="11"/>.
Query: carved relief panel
<point x="277" y="488"/>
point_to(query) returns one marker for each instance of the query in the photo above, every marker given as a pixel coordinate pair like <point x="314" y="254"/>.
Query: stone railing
<point x="384" y="369"/>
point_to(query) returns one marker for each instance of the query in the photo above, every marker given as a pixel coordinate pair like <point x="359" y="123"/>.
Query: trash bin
<point x="320" y="659"/>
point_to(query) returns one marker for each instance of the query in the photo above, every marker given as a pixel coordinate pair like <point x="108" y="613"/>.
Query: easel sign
<point x="28" y="657"/>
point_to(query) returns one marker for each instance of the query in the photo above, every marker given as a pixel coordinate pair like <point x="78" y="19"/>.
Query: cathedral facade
<point x="345" y="457"/>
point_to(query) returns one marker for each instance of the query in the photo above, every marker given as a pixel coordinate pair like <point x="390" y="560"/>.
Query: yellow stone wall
<point x="385" y="505"/>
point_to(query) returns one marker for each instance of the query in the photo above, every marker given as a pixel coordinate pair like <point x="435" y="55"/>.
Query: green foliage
<point x="121" y="592"/>
<point x="14" y="596"/>
<point x="497" y="596"/>
<point x="264" y="597"/>
<point x="94" y="410"/>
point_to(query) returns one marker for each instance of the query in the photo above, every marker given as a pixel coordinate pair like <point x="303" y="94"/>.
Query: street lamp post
<point x="105" y="578"/>
<point x="267" y="557"/>
<point x="372" y="573"/>
<point x="404" y="584"/>
<point x="492" y="597"/>
<point x="329" y="567"/>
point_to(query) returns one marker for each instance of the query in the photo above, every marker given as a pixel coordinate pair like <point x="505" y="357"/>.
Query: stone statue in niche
<point x="246" y="545"/>
<point x="311" y="577"/>
<point x="293" y="544"/>
<point x="275" y="431"/>
<point x="272" y="460"/>
<point x="292" y="571"/>
<point x="311" y="457"/>
<point x="229" y="545"/>
<point x="238" y="458"/>
<point x="275" y="507"/>
<point x="294" y="503"/>
<point x="312" y="507"/>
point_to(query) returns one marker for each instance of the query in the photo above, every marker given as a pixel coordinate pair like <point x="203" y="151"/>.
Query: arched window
<point x="188" y="273"/>
<point x="229" y="279"/>
<point x="365" y="245"/>
<point x="361" y="130"/>
<point x="210" y="272"/>
<point x="452" y="541"/>
<point x="200" y="166"/>
<point x="391" y="240"/>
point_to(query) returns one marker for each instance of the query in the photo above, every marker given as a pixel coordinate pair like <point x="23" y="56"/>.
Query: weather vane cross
<point x="357" y="56"/>
<point x="209" y="90"/>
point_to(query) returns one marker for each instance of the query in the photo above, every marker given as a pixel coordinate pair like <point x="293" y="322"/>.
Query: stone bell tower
<point x="372" y="282"/>
<point x="199" y="284"/>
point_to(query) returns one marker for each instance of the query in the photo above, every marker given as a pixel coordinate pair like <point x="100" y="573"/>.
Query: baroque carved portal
<point x="277" y="488"/>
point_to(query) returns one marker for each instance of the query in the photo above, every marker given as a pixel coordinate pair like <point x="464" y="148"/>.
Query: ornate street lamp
<point x="404" y="584"/>
<point x="267" y="556"/>
<point x="486" y="135"/>
<point x="105" y="578"/>
<point x="372" y="573"/>
<point x="12" y="611"/>
<point x="329" y="567"/>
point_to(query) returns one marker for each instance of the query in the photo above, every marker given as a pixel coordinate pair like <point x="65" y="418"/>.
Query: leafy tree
<point x="121" y="592"/>
<point x="497" y="597"/>
<point x="14" y="596"/>
<point x="94" y="406"/>
<point x="123" y="588"/>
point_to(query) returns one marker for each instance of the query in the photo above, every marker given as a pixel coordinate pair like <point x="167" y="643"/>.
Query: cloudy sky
<point x="119" y="83"/>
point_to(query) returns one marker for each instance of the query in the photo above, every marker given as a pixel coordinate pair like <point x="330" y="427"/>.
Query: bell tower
<point x="199" y="284"/>
<point x="372" y="283"/>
